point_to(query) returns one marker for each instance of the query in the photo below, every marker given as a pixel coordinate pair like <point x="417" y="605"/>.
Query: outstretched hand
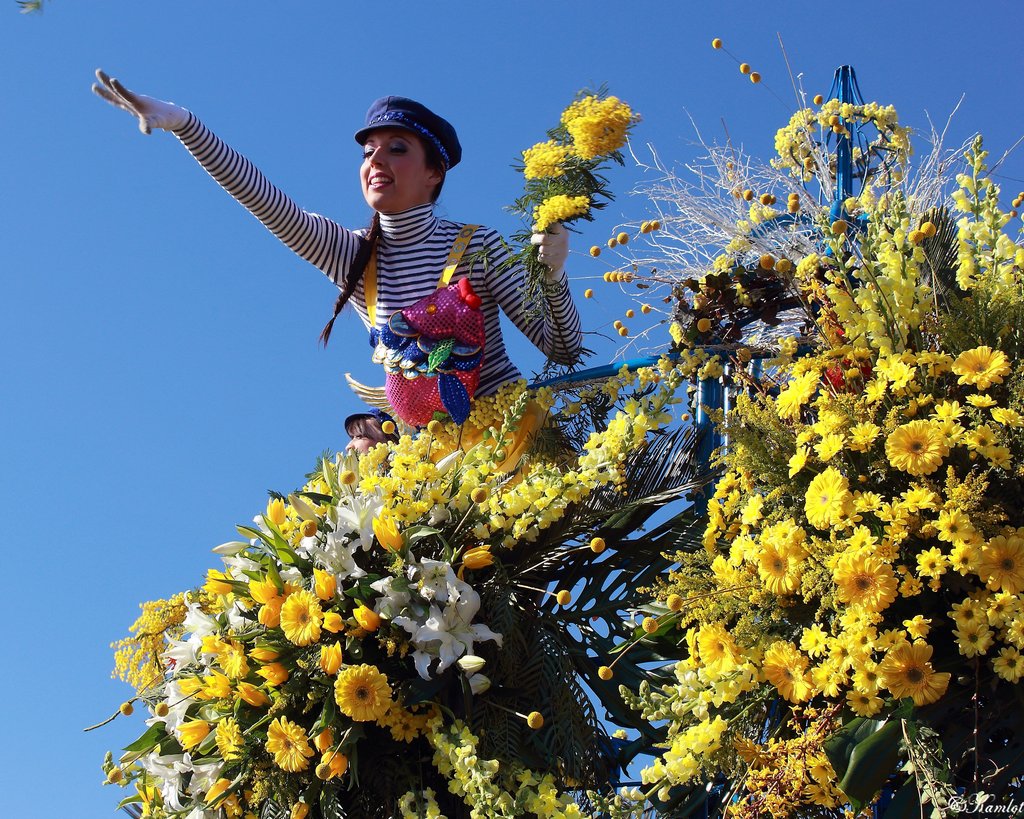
<point x="151" y="113"/>
<point x="552" y="248"/>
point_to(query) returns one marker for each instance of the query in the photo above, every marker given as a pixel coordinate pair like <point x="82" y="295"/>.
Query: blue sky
<point x="161" y="368"/>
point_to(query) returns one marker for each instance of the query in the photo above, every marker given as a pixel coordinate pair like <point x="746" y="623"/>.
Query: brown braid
<point x="355" y="274"/>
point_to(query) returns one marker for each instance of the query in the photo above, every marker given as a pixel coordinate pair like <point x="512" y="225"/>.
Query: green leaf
<point x="840" y="745"/>
<point x="152" y="737"/>
<point x="872" y="762"/>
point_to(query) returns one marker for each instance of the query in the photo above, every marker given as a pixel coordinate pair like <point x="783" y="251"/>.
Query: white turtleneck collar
<point x="410" y="226"/>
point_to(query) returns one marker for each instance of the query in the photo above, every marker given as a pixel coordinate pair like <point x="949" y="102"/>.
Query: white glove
<point x="553" y="249"/>
<point x="151" y="113"/>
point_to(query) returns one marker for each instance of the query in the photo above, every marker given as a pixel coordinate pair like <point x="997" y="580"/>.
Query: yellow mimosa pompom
<point x="535" y="720"/>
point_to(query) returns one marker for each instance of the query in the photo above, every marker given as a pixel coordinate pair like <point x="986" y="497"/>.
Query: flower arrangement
<point x="851" y="622"/>
<point x="402" y="636"/>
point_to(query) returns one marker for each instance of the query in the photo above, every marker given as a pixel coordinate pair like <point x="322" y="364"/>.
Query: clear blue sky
<point x="160" y="366"/>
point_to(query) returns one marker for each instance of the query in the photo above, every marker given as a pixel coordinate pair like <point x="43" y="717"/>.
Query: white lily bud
<point x="479" y="683"/>
<point x="471" y="663"/>
<point x="306" y="512"/>
<point x="232" y="547"/>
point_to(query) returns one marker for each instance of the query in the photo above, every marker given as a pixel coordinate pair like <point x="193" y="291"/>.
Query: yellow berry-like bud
<point x="434" y="427"/>
<point x="127" y="709"/>
<point x="744" y="68"/>
<point x="703" y="325"/>
<point x="630" y="313"/>
<point x="915" y="237"/>
<point x="655" y="224"/>
<point x="162" y="709"/>
<point x="928" y="229"/>
<point x="793" y="205"/>
<point x="645" y="308"/>
<point x="115" y="776"/>
<point x="839" y="227"/>
<point x="308" y="528"/>
<point x="645" y="227"/>
<point x="622" y="238"/>
<point x="588" y="293"/>
<point x="535" y="719"/>
<point x="818" y="99"/>
<point x="605" y="673"/>
<point x="674" y="602"/>
<point x="617" y="324"/>
<point x="748" y="194"/>
<point x="388" y="428"/>
<point x="595" y="251"/>
<point x="597" y="545"/>
<point x="755" y="77"/>
<point x="612" y="242"/>
<point x="347" y="477"/>
<point x="564" y="597"/>
<point x="479" y="495"/>
<point x="608" y="276"/>
<point x="744" y="355"/>
<point x="783" y="265"/>
<point x="716" y="43"/>
<point x="833" y="120"/>
<point x="323" y="771"/>
<point x="649" y="625"/>
<point x="767" y="261"/>
<point x="623" y="331"/>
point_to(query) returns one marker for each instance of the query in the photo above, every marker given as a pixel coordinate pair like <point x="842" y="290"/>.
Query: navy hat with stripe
<point x="409" y="115"/>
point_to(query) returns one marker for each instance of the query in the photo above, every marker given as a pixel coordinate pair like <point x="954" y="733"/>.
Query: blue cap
<point x="407" y="114"/>
<point x="378" y="415"/>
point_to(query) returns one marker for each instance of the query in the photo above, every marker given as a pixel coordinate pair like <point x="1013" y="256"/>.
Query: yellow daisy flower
<point x="301" y="618"/>
<point x="786" y="669"/>
<point x="916" y="448"/>
<point x="828" y="499"/>
<point x="288" y="744"/>
<point x="907" y="672"/>
<point x="362" y="693"/>
<point x="1001" y="564"/>
<point x="863" y="580"/>
<point x="981" y="367"/>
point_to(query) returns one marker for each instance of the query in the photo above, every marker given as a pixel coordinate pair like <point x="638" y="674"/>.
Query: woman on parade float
<point x="407" y="150"/>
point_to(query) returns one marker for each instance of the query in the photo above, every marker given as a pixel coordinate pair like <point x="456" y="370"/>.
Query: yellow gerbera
<point x="229" y="738"/>
<point x="907" y="672"/>
<point x="863" y="704"/>
<point x="916" y="448"/>
<point x="786" y="669"/>
<point x="301" y="617"/>
<point x="1001" y="564"/>
<point x="362" y="693"/>
<point x="288" y="743"/>
<point x="717" y="648"/>
<point x="828" y="499"/>
<point x="863" y="580"/>
<point x="779" y="568"/>
<point x="981" y="367"/>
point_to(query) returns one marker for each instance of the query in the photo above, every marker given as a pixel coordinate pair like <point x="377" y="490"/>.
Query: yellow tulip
<point x="326" y="584"/>
<point x="333" y="622"/>
<point x="387" y="534"/>
<point x="367" y="618"/>
<point x="252" y="695"/>
<point x="330" y="658"/>
<point x="217" y="789"/>
<point x="264" y="655"/>
<point x="324" y="740"/>
<point x="274" y="673"/>
<point x="478" y="557"/>
<point x="275" y="512"/>
<point x="263" y="591"/>
<point x="192" y="733"/>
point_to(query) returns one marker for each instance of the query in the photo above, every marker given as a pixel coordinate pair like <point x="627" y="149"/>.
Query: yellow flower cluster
<point x="137" y="658"/>
<point x="559" y="208"/>
<point x="545" y="160"/>
<point x="797" y="144"/>
<point x="598" y="126"/>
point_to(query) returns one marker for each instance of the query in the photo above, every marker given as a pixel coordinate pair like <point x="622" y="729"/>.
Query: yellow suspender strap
<point x="454" y="257"/>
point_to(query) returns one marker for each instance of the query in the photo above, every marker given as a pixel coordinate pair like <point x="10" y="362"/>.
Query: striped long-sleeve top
<point x="411" y="253"/>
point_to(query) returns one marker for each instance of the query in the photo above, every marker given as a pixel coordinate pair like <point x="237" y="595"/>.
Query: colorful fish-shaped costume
<point x="432" y="351"/>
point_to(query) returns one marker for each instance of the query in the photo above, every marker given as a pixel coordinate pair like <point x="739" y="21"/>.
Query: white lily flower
<point x="168" y="770"/>
<point x="204" y="776"/>
<point x="434" y="578"/>
<point x="448" y="636"/>
<point x="392" y="601"/>
<point x="336" y="555"/>
<point x="354" y="516"/>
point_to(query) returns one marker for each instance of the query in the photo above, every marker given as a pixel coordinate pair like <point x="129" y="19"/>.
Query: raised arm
<point x="315" y="238"/>
<point x="557" y="334"/>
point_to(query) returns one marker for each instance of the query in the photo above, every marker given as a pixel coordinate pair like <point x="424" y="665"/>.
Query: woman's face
<point x="395" y="175"/>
